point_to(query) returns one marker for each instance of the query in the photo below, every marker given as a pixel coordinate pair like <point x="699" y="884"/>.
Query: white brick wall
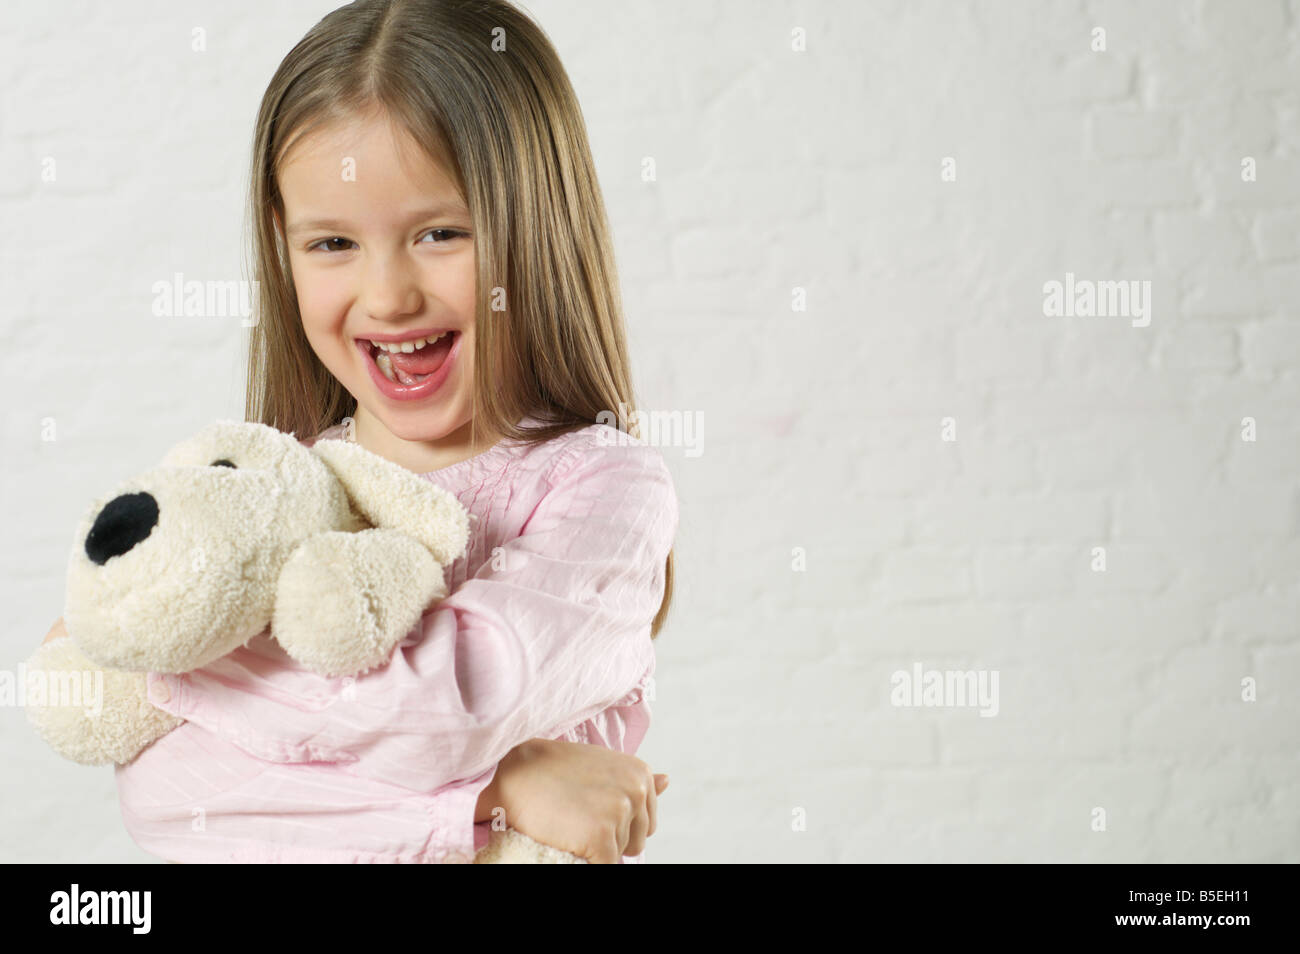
<point x="817" y="170"/>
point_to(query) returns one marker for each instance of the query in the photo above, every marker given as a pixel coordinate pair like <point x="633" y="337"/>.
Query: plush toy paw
<point x="88" y="714"/>
<point x="511" y="847"/>
<point x="345" y="600"/>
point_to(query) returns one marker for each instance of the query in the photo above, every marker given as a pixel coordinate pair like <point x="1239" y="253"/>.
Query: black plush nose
<point x="124" y="522"/>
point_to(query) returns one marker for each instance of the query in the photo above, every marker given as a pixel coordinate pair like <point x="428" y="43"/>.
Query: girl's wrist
<point x="489" y="798"/>
<point x="497" y="793"/>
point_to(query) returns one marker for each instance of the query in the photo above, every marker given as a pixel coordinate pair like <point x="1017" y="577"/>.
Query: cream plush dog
<point x="241" y="526"/>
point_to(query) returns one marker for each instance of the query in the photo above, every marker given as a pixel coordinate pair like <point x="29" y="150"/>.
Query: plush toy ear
<point x="388" y="495"/>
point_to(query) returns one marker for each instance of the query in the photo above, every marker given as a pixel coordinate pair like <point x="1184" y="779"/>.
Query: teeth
<point x="385" y="365"/>
<point x="407" y="346"/>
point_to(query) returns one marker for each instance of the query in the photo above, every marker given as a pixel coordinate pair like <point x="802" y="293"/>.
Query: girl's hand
<point x="585" y="799"/>
<point x="56" y="631"/>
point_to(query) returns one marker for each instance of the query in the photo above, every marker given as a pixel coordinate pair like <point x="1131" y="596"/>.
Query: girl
<point x="437" y="284"/>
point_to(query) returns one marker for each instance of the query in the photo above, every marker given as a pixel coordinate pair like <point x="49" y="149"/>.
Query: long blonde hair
<point x="478" y="85"/>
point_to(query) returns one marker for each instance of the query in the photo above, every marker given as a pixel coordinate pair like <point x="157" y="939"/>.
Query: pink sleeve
<point x="258" y="812"/>
<point x="452" y="809"/>
<point x="551" y="630"/>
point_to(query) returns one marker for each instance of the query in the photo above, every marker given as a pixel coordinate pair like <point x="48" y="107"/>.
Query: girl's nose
<point x="390" y="290"/>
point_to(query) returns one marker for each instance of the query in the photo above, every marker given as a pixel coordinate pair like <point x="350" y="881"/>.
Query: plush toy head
<point x="178" y="566"/>
<point x="201" y="538"/>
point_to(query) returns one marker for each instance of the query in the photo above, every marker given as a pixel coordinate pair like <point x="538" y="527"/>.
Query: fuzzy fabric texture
<point x="510" y="847"/>
<point x="112" y="722"/>
<point x="337" y="549"/>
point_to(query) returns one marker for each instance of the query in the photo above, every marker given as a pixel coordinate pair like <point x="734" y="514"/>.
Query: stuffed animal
<point x="337" y="549"/>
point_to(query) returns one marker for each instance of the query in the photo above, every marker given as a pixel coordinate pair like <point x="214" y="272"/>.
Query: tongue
<point x="425" y="360"/>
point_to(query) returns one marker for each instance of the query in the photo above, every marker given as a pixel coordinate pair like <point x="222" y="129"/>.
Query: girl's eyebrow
<point x="452" y="209"/>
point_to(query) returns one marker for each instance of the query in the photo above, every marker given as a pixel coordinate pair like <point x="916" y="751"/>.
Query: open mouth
<point x="409" y="363"/>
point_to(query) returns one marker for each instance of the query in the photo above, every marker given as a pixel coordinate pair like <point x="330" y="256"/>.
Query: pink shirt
<point x="545" y="632"/>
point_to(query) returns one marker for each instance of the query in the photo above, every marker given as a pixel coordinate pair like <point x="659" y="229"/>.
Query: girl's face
<point x="381" y="250"/>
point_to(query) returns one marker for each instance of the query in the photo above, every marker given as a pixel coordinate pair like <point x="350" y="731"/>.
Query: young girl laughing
<point x="436" y="282"/>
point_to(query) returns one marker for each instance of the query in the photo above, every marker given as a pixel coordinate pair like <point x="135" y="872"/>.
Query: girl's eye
<point x="326" y="242"/>
<point x="450" y="233"/>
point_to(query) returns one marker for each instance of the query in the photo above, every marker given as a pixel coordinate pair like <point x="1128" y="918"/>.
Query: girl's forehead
<point x="350" y="136"/>
<point x="376" y="136"/>
<point x="320" y="164"/>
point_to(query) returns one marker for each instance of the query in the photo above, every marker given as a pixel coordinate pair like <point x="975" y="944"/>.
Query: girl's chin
<point x="415" y="422"/>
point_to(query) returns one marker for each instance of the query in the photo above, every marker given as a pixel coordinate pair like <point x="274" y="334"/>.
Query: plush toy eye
<point x="222" y="462"/>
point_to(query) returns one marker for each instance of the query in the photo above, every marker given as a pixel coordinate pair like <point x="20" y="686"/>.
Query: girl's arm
<point x="553" y="629"/>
